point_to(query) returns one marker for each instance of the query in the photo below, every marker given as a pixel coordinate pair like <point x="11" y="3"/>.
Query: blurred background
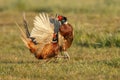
<point x="74" y="6"/>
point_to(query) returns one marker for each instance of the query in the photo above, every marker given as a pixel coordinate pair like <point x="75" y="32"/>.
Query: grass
<point x="95" y="53"/>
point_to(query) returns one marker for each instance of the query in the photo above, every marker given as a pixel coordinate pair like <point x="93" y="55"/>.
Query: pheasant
<point x="66" y="34"/>
<point x="43" y="39"/>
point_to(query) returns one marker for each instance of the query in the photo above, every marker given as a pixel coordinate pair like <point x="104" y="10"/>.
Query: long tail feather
<point x="23" y="36"/>
<point x="25" y="42"/>
<point x="26" y="26"/>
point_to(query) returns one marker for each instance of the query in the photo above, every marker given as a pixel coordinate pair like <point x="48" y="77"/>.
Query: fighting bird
<point x="43" y="39"/>
<point x="49" y="36"/>
<point x="66" y="34"/>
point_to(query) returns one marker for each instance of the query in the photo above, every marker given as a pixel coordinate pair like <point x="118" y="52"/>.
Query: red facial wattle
<point x="60" y="18"/>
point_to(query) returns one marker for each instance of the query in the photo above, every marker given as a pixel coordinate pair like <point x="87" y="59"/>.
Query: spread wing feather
<point x="42" y="31"/>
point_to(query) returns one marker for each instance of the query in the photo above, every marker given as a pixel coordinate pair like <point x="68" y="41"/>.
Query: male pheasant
<point x="43" y="40"/>
<point x="48" y="37"/>
<point x="66" y="33"/>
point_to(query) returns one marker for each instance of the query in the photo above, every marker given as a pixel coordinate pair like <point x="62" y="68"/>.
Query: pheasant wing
<point x="42" y="31"/>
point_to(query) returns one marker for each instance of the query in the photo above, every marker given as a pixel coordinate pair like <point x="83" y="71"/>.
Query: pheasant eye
<point x="60" y="18"/>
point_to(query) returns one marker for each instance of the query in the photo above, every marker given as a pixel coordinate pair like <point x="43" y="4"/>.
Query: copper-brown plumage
<point x="49" y="50"/>
<point x="66" y="31"/>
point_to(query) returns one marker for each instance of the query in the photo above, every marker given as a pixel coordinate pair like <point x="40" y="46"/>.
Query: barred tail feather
<point x="26" y="26"/>
<point x="23" y="36"/>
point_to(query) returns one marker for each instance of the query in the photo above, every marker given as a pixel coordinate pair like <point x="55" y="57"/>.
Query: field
<point x="95" y="52"/>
